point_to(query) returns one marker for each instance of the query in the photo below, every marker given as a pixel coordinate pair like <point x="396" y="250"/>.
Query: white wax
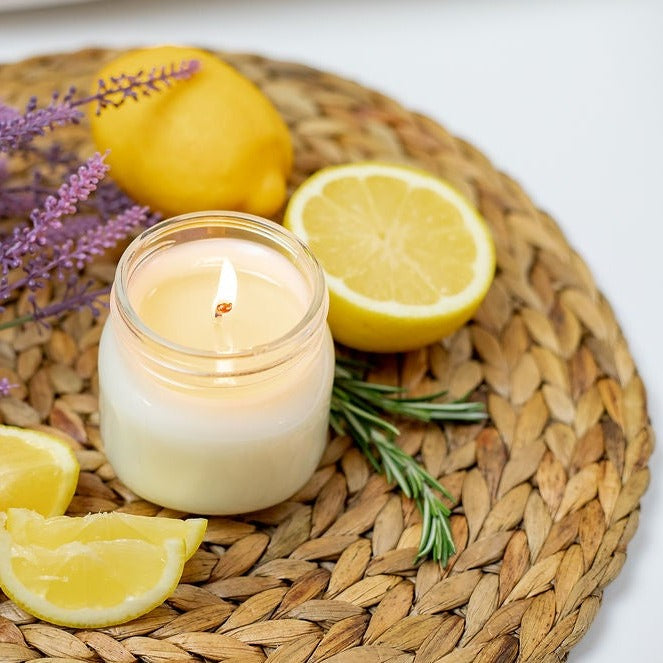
<point x="173" y="292"/>
<point x="210" y="447"/>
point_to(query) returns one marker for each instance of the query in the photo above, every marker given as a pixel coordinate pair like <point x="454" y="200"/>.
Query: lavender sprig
<point x="109" y="200"/>
<point x="6" y="386"/>
<point x="28" y="239"/>
<point x="76" y="297"/>
<point x="97" y="241"/>
<point x="65" y="228"/>
<point x="76" y="189"/>
<point x="18" y="130"/>
<point x="127" y="86"/>
<point x="75" y="252"/>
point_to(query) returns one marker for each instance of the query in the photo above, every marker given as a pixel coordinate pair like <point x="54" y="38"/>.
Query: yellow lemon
<point x="94" y="571"/>
<point x="407" y="259"/>
<point x="37" y="471"/>
<point x="213" y="141"/>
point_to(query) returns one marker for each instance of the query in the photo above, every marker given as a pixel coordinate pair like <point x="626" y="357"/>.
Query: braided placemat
<point x="547" y="490"/>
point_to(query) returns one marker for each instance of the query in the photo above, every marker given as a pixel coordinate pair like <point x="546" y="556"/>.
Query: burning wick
<point x="226" y="292"/>
<point x="224" y="307"/>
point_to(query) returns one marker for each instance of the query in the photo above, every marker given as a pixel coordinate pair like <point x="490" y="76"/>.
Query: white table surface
<point x="565" y="96"/>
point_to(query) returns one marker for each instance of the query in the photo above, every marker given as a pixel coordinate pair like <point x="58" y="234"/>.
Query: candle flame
<point x="227" y="291"/>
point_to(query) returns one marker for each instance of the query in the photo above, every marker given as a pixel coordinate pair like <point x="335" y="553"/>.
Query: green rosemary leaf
<point x="472" y="416"/>
<point x="423" y="399"/>
<point x="416" y="481"/>
<point x="372" y="418"/>
<point x="356" y="409"/>
<point x="426" y="525"/>
<point x="340" y="394"/>
<point x="445" y="407"/>
<point x="360" y="435"/>
<point x="396" y="474"/>
<point x="355" y="425"/>
<point x="359" y="385"/>
<point x="335" y="423"/>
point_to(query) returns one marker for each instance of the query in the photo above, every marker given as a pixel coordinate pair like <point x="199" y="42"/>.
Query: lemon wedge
<point x="407" y="259"/>
<point x="29" y="528"/>
<point x="37" y="471"/>
<point x="93" y="571"/>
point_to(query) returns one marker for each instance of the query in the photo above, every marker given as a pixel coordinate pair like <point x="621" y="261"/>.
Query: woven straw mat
<point x="547" y="490"/>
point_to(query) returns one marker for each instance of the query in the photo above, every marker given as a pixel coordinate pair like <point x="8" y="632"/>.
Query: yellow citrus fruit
<point x="94" y="571"/>
<point x="407" y="259"/>
<point x="37" y="471"/>
<point x="213" y="141"/>
<point x="29" y="527"/>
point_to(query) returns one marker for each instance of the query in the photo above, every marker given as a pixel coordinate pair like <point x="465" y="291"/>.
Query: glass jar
<point x="208" y="430"/>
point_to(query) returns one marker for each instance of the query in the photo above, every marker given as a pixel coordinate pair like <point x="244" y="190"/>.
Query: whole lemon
<point x="213" y="141"/>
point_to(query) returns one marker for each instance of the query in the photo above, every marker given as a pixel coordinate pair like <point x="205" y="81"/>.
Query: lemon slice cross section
<point x="407" y="259"/>
<point x="94" y="571"/>
<point x="37" y="471"/>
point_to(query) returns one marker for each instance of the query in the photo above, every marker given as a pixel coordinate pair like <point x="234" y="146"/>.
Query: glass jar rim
<point x="261" y="228"/>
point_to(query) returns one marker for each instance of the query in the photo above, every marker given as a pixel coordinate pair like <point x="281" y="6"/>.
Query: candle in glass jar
<point x="216" y="365"/>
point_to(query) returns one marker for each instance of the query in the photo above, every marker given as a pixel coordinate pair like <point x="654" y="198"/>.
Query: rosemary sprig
<point x="356" y="410"/>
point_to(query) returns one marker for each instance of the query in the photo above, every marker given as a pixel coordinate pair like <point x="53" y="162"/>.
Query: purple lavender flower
<point x="72" y="229"/>
<point x="28" y="239"/>
<point x="126" y="86"/>
<point x="6" y="386"/>
<point x="83" y="242"/>
<point x="65" y="228"/>
<point x="76" y="189"/>
<point x="98" y="240"/>
<point x="8" y="114"/>
<point x="77" y="296"/>
<point x="109" y="200"/>
<point x="18" y="130"/>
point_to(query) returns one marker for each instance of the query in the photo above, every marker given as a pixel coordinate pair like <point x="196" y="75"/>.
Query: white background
<point x="566" y="96"/>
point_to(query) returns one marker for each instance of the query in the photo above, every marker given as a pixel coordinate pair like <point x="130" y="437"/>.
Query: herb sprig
<point x="356" y="410"/>
<point x="60" y="230"/>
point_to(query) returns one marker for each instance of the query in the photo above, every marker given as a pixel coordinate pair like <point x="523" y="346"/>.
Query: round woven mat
<point x="548" y="489"/>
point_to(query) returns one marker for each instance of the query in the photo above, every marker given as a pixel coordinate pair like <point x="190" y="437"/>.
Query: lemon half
<point x="407" y="259"/>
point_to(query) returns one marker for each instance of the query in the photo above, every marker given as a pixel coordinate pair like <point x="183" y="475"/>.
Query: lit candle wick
<point x="227" y="290"/>
<point x="223" y="307"/>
